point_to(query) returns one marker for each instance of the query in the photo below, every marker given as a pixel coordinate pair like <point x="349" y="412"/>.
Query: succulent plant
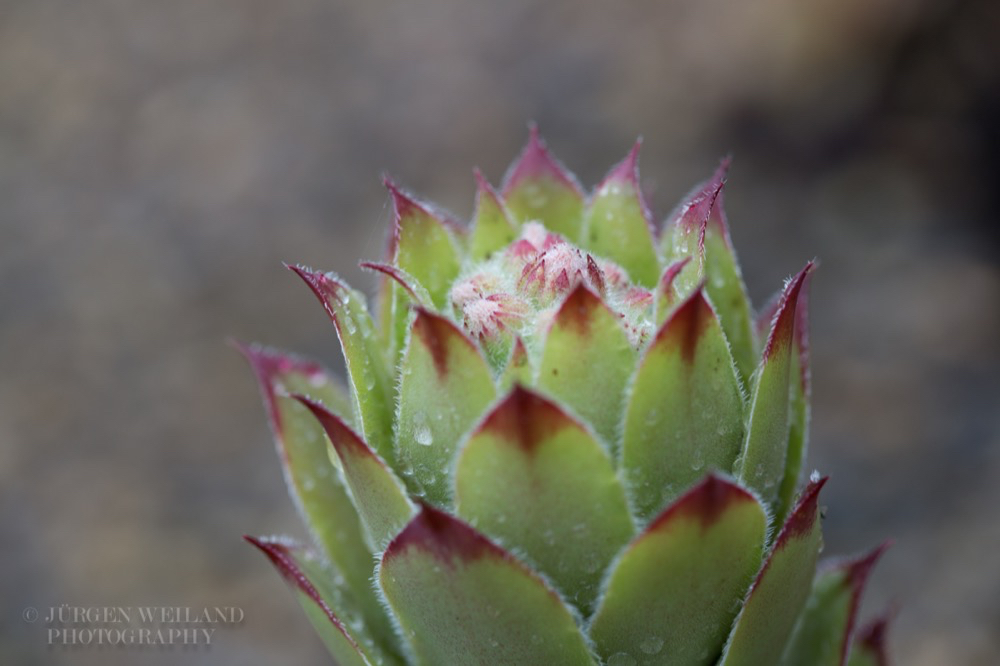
<point x="566" y="438"/>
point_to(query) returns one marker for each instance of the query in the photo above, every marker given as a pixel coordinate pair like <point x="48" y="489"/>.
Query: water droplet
<point x="651" y="644"/>
<point x="622" y="659"/>
<point x="698" y="461"/>
<point x="421" y="431"/>
<point x="814" y="477"/>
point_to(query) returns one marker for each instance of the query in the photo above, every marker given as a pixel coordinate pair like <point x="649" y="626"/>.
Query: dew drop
<point x="651" y="644"/>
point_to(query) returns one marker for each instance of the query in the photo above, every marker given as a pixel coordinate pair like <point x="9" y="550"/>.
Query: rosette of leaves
<point x="565" y="438"/>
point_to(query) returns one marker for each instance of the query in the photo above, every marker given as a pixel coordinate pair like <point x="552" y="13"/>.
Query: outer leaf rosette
<point x="564" y="439"/>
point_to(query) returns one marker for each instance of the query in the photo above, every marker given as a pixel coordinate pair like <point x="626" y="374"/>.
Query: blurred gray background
<point x="158" y="160"/>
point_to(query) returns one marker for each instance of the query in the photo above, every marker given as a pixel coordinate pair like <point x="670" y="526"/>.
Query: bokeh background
<point x="158" y="160"/>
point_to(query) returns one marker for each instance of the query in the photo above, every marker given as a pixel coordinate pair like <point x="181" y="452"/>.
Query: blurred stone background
<point x="158" y="160"/>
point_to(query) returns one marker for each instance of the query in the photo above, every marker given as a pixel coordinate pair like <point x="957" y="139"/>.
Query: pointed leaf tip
<point x="688" y="323"/>
<point x="280" y="554"/>
<point x="268" y="365"/>
<point x="803" y="516"/>
<point x="577" y="312"/>
<point x="706" y="502"/>
<point x="344" y="440"/>
<point x="626" y="171"/>
<point x="783" y="327"/>
<point x="442" y="535"/>
<point x="526" y="419"/>
<point x="536" y="162"/>
<point x="870" y="647"/>
<point x="437" y="333"/>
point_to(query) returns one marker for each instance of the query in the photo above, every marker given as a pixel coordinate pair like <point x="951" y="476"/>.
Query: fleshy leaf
<point x="323" y="502"/>
<point x="779" y="593"/>
<point x="800" y="394"/>
<point x="869" y="647"/>
<point x="700" y="229"/>
<point x="618" y="225"/>
<point x="460" y="599"/>
<point x="685" y="411"/>
<point x="534" y="479"/>
<point x="764" y="453"/>
<point x="667" y="295"/>
<point x="445" y="387"/>
<point x="341" y="627"/>
<point x="587" y="360"/>
<point x="674" y="592"/>
<point x="538" y="187"/>
<point x="492" y="226"/>
<point x="363" y="356"/>
<point x="424" y="245"/>
<point x="378" y="494"/>
<point x="825" y="630"/>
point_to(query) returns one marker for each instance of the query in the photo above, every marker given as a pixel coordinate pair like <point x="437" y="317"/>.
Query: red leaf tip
<point x="535" y="163"/>
<point x="626" y="171"/>
<point x="437" y="332"/>
<point x="577" y="311"/>
<point x="525" y="419"/>
<point x="445" y="537"/>
<point x="341" y="436"/>
<point x="783" y="327"/>
<point x="803" y="516"/>
<point x="873" y="637"/>
<point x="705" y="502"/>
<point x="687" y="323"/>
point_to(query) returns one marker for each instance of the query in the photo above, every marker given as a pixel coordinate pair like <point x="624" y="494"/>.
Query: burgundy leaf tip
<point x="783" y="327"/>
<point x="280" y="555"/>
<point x="873" y="638"/>
<point x="706" y="502"/>
<point x="443" y="536"/>
<point x="391" y="271"/>
<point x="626" y="171"/>
<point x="437" y="333"/>
<point x="269" y="366"/>
<point x="803" y="516"/>
<point x="525" y="419"/>
<point x="687" y="324"/>
<point x="856" y="572"/>
<point x="344" y="440"/>
<point x="536" y="163"/>
<point x="577" y="311"/>
<point x="403" y="203"/>
<point x="670" y="274"/>
<point x="695" y="212"/>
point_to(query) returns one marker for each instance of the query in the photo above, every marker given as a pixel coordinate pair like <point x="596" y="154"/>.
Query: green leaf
<point x="366" y="368"/>
<point x="618" y="225"/>
<point x="800" y="394"/>
<point x="673" y="594"/>
<point x="445" y="387"/>
<point x="492" y="225"/>
<point x="538" y="187"/>
<point x="700" y="229"/>
<point x="535" y="480"/>
<point x="460" y="599"/>
<point x="424" y="245"/>
<point x="779" y="593"/>
<point x="764" y="453"/>
<point x="339" y="625"/>
<point x="323" y="502"/>
<point x="824" y="632"/>
<point x="587" y="360"/>
<point x="685" y="411"/>
<point x="869" y="645"/>
<point x="378" y="494"/>
<point x="667" y="294"/>
<point x="518" y="368"/>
